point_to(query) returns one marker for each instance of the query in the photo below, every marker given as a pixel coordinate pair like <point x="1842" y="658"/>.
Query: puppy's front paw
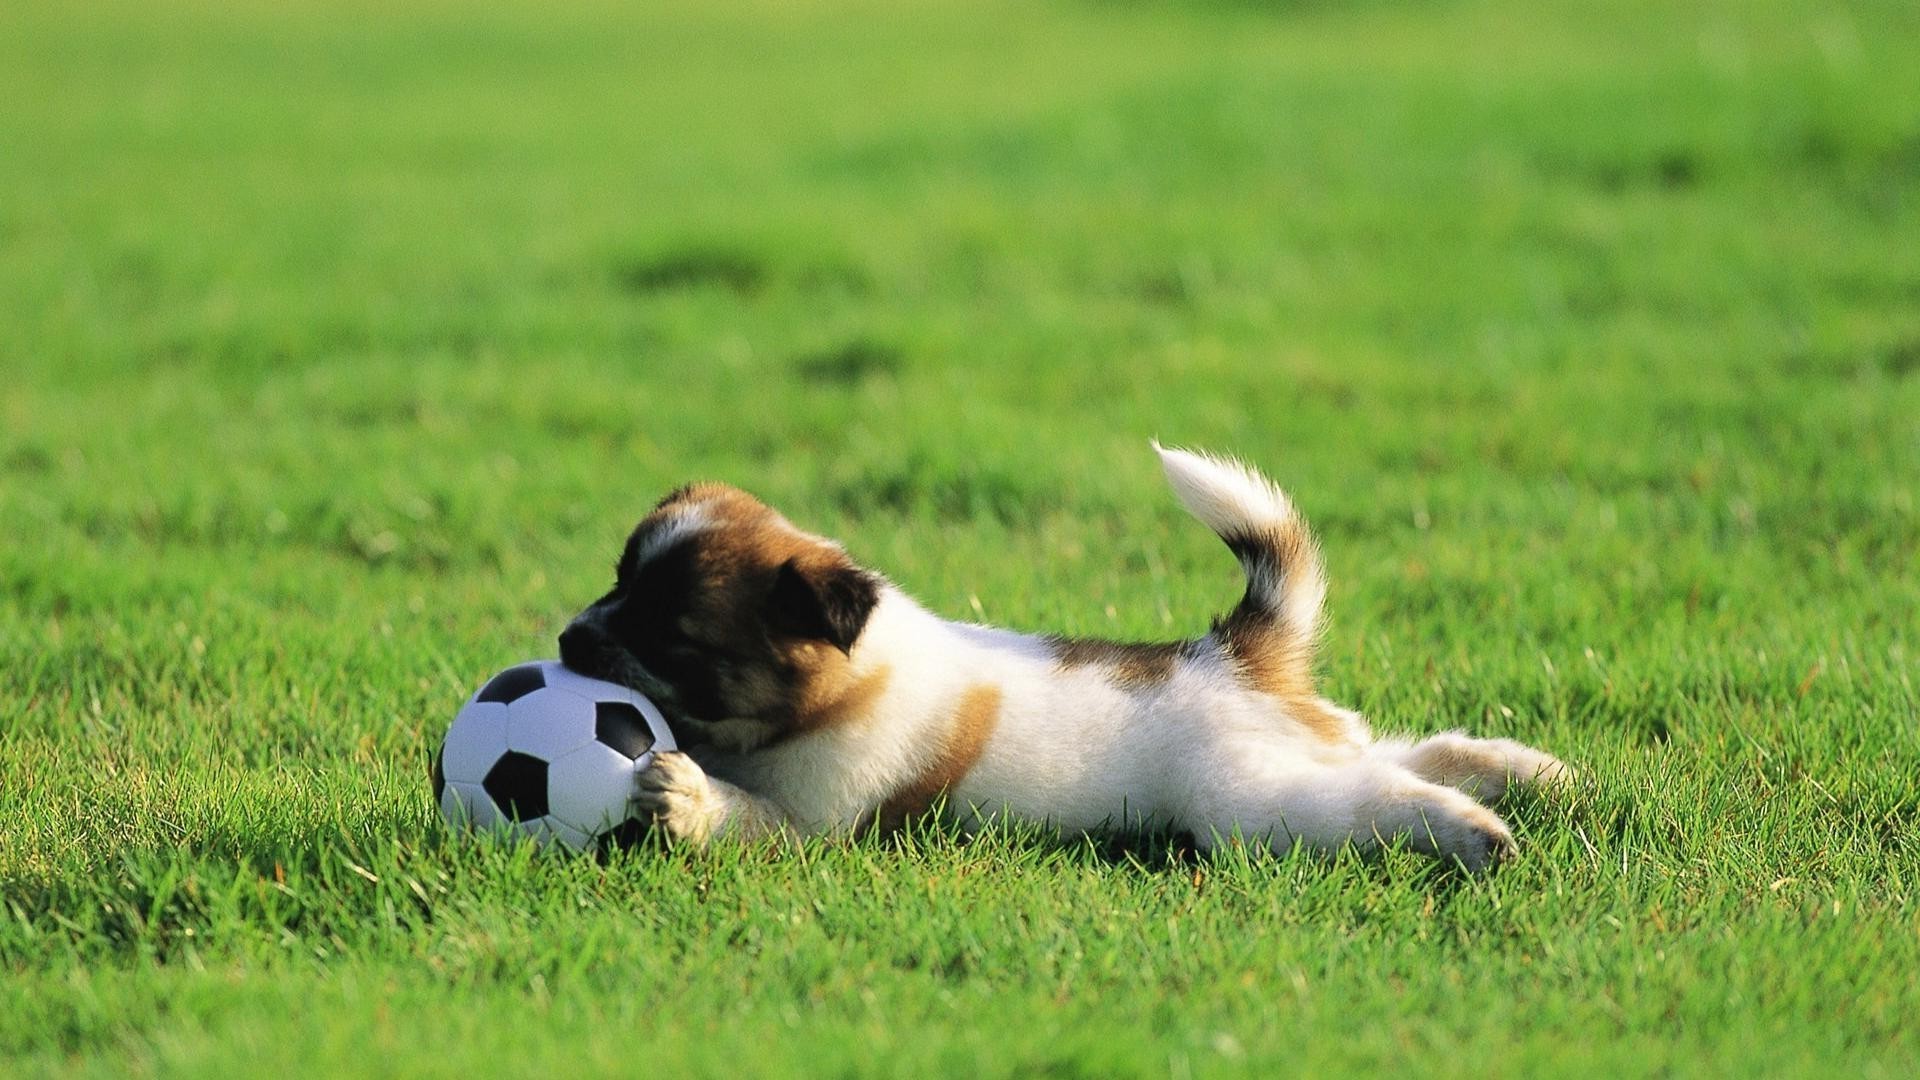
<point x="673" y="793"/>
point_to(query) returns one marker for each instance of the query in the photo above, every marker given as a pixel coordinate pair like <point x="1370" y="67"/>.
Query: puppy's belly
<point x="1078" y="776"/>
<point x="1160" y="761"/>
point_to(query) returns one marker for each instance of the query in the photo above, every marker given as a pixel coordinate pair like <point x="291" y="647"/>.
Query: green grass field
<point x="342" y="342"/>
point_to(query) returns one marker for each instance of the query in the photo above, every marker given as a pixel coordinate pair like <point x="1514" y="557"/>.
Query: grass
<point x="343" y="341"/>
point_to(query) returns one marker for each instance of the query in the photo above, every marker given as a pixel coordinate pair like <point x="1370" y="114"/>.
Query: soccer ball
<point x="546" y="752"/>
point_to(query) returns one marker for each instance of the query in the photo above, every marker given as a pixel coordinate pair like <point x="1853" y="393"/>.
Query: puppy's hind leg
<point x="1483" y="768"/>
<point x="1366" y="802"/>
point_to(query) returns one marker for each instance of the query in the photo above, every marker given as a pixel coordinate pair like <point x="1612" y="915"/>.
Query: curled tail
<point x="1271" y="633"/>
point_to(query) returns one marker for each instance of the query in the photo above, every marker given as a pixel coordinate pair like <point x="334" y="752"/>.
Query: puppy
<point x="813" y="695"/>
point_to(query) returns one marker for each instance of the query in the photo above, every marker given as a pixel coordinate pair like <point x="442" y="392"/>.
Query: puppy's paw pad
<point x="1483" y="849"/>
<point x="673" y="793"/>
<point x="1471" y="835"/>
<point x="670" y="770"/>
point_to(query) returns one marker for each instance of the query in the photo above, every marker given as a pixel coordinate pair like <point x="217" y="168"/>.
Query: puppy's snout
<point x="578" y="644"/>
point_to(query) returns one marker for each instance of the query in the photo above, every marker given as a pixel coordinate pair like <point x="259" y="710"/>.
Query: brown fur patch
<point x="837" y="696"/>
<point x="1271" y="656"/>
<point x="684" y="493"/>
<point x="1132" y="665"/>
<point x="1270" y="659"/>
<point x="788" y="684"/>
<point x="1323" y="723"/>
<point x="1282" y="548"/>
<point x="975" y="716"/>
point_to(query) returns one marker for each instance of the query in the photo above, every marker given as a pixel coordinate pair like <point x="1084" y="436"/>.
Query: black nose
<point x="578" y="643"/>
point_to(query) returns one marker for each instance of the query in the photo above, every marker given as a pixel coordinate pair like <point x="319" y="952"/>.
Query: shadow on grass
<point x="1145" y="851"/>
<point x="352" y="885"/>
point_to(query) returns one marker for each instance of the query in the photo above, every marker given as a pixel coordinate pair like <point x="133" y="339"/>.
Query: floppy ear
<point x="829" y="605"/>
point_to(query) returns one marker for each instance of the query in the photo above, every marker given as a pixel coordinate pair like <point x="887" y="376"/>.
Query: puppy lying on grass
<point x="813" y="695"/>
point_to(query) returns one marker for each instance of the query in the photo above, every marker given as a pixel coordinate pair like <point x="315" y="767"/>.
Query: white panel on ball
<point x="549" y="722"/>
<point x="476" y="741"/>
<point x="467" y="805"/>
<point x="589" y="788"/>
<point x="600" y="690"/>
<point x="568" y="679"/>
<point x="565" y="834"/>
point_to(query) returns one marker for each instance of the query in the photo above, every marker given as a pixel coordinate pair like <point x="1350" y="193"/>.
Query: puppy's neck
<point x="927" y="654"/>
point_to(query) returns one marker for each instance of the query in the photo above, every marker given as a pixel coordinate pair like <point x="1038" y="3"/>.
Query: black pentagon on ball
<point x="625" y="836"/>
<point x="621" y="726"/>
<point x="518" y="785"/>
<point x="513" y="684"/>
<point x="439" y="775"/>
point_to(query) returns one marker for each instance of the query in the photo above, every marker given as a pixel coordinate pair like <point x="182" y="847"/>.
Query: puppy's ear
<point x="829" y="604"/>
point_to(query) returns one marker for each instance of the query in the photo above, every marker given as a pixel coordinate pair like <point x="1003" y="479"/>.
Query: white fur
<point x="1072" y="747"/>
<point x="685" y="522"/>
<point x="1228" y="497"/>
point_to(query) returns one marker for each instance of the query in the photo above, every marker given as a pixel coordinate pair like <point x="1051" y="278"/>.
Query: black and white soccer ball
<point x="546" y="752"/>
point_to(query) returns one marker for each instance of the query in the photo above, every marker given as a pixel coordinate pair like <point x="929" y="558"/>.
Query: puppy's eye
<point x="674" y="663"/>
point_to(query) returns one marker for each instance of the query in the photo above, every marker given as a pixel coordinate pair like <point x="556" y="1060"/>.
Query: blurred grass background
<point x="342" y="342"/>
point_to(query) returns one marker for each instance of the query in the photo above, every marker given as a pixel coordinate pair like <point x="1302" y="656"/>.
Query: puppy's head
<point x="727" y="616"/>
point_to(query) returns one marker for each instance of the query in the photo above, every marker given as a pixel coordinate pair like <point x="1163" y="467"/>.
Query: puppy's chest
<point x="827" y="780"/>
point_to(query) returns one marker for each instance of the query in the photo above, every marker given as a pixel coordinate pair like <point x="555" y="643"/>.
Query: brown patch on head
<point x="687" y="492"/>
<point x="975" y="716"/>
<point x="783" y="602"/>
<point x="741" y="617"/>
<point x="1132" y="665"/>
<point x="836" y="697"/>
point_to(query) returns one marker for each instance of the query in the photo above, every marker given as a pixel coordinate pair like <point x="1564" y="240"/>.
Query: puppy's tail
<point x="1273" y="630"/>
